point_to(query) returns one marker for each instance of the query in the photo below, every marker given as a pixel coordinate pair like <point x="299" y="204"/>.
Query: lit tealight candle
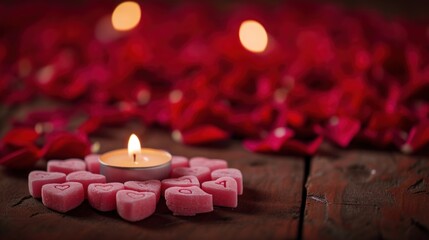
<point x="135" y="163"/>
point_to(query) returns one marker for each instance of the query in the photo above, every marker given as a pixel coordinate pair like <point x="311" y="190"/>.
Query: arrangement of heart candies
<point x="196" y="186"/>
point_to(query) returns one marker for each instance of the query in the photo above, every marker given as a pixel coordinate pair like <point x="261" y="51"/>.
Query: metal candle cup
<point x="118" y="166"/>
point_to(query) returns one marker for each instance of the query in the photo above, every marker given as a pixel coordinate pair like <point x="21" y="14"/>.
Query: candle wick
<point x="134" y="157"/>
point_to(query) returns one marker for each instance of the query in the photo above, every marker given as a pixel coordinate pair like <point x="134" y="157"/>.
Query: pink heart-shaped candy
<point x="85" y="178"/>
<point x="102" y="196"/>
<point x="202" y="173"/>
<point x="224" y="191"/>
<point x="179" y="161"/>
<point x="188" y="201"/>
<point x="153" y="186"/>
<point x="230" y="172"/>
<point x="92" y="163"/>
<point x="36" y="179"/>
<point x="213" y="164"/>
<point x="185" y="181"/>
<point x="62" y="197"/>
<point x="134" y="206"/>
<point x="66" y="166"/>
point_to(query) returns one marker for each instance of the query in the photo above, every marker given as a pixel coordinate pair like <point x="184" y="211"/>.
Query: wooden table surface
<point x="350" y="194"/>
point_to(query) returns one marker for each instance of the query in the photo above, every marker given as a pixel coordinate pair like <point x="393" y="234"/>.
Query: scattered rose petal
<point x="201" y="135"/>
<point x="21" y="158"/>
<point x="65" y="145"/>
<point x="20" y="137"/>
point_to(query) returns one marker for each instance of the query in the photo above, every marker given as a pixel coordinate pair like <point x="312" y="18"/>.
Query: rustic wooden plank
<point x="367" y="195"/>
<point x="269" y="208"/>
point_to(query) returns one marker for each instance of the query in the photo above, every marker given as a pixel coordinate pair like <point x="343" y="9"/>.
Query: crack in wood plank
<point x="21" y="200"/>
<point x="368" y="197"/>
<point x="35" y="214"/>
<point x="417" y="187"/>
<point x="306" y="175"/>
<point x="420" y="226"/>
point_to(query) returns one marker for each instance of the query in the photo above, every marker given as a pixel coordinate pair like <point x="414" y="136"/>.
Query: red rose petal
<point x="341" y="130"/>
<point x="259" y="146"/>
<point x="90" y="125"/>
<point x="417" y="138"/>
<point x="20" y="137"/>
<point x="22" y="158"/>
<point x="201" y="135"/>
<point x="66" y="145"/>
<point x="302" y="148"/>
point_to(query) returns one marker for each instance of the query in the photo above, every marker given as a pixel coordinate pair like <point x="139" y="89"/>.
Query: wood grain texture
<point x="367" y="195"/>
<point x="269" y="208"/>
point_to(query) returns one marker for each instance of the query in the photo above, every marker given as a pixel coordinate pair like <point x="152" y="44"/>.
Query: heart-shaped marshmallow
<point x="102" y="196"/>
<point x="230" y="172"/>
<point x="62" y="197"/>
<point x="185" y="181"/>
<point x="153" y="186"/>
<point x="92" y="163"/>
<point x="202" y="173"/>
<point x="224" y="191"/>
<point x="36" y="180"/>
<point x="134" y="206"/>
<point x="85" y="178"/>
<point x="179" y="161"/>
<point x="188" y="201"/>
<point x="66" y="166"/>
<point x="213" y="164"/>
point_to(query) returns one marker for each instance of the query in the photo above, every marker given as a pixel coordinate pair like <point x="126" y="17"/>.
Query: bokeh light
<point x="253" y="36"/>
<point x="126" y="16"/>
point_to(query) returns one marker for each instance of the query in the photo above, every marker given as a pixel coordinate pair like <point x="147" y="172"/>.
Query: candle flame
<point x="126" y="16"/>
<point x="134" y="147"/>
<point x="253" y="36"/>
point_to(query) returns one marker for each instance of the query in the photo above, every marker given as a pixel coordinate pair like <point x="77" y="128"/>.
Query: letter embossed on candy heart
<point x="62" y="187"/>
<point x="224" y="191"/>
<point x="230" y="172"/>
<point x="223" y="183"/>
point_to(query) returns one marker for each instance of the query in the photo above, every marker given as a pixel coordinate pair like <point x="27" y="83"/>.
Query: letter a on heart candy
<point x="224" y="191"/>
